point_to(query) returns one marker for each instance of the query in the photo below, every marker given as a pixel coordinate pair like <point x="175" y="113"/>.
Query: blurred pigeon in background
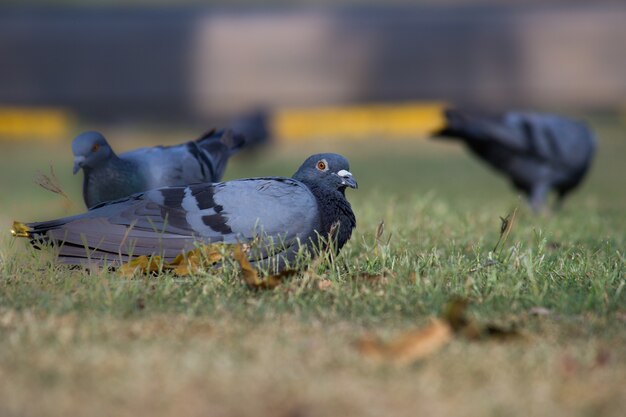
<point x="537" y="151"/>
<point x="254" y="127"/>
<point x="283" y="212"/>
<point x="108" y="176"/>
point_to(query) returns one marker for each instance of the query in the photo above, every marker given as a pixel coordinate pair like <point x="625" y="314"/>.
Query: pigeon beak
<point x="347" y="179"/>
<point x="78" y="164"/>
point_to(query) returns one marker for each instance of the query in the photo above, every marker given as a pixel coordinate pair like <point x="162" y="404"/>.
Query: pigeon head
<point x="328" y="170"/>
<point x="90" y="150"/>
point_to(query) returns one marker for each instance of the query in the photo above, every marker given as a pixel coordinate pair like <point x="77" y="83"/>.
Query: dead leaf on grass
<point x="417" y="344"/>
<point x="409" y="347"/>
<point x="202" y="257"/>
<point x="140" y="265"/>
<point x="20" y="229"/>
<point x="251" y="275"/>
<point x="455" y="314"/>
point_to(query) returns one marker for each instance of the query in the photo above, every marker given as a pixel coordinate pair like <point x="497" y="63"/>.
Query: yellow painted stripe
<point x="41" y="123"/>
<point x="389" y="121"/>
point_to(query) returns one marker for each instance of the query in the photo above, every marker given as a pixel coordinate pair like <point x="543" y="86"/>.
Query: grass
<point x="75" y="343"/>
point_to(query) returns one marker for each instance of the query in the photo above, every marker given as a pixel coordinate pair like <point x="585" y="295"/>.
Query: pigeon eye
<point x="321" y="165"/>
<point x="95" y="147"/>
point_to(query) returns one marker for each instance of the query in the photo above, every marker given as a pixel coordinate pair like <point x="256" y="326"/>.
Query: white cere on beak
<point x="343" y="173"/>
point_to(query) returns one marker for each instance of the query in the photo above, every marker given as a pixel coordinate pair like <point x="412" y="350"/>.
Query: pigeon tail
<point x="213" y="139"/>
<point x="254" y="127"/>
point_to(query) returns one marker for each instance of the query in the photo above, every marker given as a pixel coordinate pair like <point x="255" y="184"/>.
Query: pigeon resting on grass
<point x="284" y="213"/>
<point x="539" y="152"/>
<point x="109" y="176"/>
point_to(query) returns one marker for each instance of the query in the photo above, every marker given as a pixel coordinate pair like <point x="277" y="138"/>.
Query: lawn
<point x="91" y="344"/>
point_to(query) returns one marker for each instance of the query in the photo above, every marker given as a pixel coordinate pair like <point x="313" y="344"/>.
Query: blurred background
<point x="156" y="73"/>
<point x="129" y="62"/>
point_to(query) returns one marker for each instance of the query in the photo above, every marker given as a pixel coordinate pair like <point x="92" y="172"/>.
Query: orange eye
<point x="321" y="165"/>
<point x="95" y="147"/>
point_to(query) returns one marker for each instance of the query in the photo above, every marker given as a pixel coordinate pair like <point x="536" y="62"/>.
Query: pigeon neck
<point x="334" y="210"/>
<point x="109" y="180"/>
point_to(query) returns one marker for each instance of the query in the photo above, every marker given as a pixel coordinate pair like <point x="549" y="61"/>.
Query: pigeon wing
<point x="171" y="220"/>
<point x="199" y="161"/>
<point x="546" y="137"/>
<point x="558" y="140"/>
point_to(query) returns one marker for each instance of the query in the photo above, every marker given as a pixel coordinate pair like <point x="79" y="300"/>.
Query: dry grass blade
<point x="50" y="183"/>
<point x="408" y="347"/>
<point x="506" y="226"/>
<point x="380" y="230"/>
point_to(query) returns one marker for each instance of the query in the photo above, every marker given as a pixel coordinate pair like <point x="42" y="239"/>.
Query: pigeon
<point x="539" y="152"/>
<point x="108" y="176"/>
<point x="284" y="214"/>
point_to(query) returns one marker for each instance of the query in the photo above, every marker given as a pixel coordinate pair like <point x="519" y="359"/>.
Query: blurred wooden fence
<point x="197" y="64"/>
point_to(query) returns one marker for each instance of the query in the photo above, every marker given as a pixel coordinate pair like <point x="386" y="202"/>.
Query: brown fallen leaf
<point x="20" y="229"/>
<point x="140" y="265"/>
<point x="408" y="347"/>
<point x="251" y="275"/>
<point x="417" y="344"/>
<point x="455" y="314"/>
<point x="200" y="258"/>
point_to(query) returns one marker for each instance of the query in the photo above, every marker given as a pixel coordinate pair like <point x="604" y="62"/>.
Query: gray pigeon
<point x="108" y="176"/>
<point x="539" y="152"/>
<point x="283" y="213"/>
